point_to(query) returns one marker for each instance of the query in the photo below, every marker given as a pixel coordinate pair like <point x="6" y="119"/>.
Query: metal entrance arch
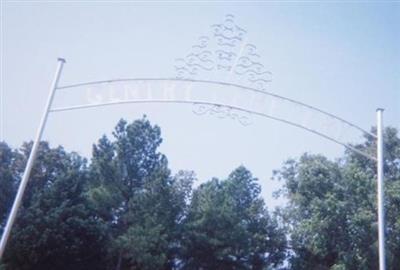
<point x="222" y="105"/>
<point x="214" y="105"/>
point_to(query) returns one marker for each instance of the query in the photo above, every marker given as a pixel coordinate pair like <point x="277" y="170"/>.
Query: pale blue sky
<point x="343" y="57"/>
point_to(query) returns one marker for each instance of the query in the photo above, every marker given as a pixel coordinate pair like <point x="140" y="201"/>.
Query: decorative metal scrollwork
<point x="226" y="50"/>
<point x="227" y="53"/>
<point x="222" y="112"/>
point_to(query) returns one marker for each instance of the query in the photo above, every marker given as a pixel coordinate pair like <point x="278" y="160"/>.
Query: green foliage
<point x="9" y="177"/>
<point x="137" y="198"/>
<point x="55" y="229"/>
<point x="331" y="214"/>
<point x="125" y="211"/>
<point x="228" y="227"/>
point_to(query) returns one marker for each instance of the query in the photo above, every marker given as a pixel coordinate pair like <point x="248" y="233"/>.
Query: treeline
<point x="125" y="210"/>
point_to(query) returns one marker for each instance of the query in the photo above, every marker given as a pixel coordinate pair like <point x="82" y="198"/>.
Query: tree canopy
<point x="123" y="209"/>
<point x="331" y="214"/>
<point x="229" y="227"/>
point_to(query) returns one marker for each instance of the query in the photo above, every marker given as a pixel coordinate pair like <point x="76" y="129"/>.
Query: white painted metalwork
<point x="348" y="146"/>
<point x="381" y="191"/>
<point x="214" y="104"/>
<point x="31" y="160"/>
<point x="245" y="88"/>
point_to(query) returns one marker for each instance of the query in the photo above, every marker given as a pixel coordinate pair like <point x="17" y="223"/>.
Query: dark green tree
<point x="331" y="211"/>
<point x="9" y="176"/>
<point x="137" y="198"/>
<point x="55" y="229"/>
<point x="228" y="227"/>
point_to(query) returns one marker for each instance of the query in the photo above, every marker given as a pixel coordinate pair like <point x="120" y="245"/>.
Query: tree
<point x="331" y="211"/>
<point x="366" y="170"/>
<point x="9" y="177"/>
<point x="55" y="229"/>
<point x="137" y="198"/>
<point x="228" y="227"/>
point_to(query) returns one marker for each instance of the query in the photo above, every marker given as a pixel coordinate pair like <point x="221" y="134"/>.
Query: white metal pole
<point x="381" y="210"/>
<point x="31" y="160"/>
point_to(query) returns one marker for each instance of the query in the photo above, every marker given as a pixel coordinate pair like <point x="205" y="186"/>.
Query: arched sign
<point x="221" y="76"/>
